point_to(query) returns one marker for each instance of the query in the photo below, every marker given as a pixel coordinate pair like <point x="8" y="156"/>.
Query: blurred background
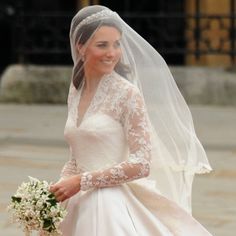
<point x="197" y="38"/>
<point x="193" y="32"/>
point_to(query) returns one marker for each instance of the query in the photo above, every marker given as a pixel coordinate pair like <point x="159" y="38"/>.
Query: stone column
<point x="214" y="32"/>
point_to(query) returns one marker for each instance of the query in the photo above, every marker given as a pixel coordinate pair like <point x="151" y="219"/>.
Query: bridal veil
<point x="177" y="153"/>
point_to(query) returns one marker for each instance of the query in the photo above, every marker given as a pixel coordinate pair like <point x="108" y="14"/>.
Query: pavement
<point x="32" y="144"/>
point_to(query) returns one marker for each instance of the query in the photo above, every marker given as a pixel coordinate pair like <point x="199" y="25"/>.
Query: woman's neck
<point x="91" y="82"/>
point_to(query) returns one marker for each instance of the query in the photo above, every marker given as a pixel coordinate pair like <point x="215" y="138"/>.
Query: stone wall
<point x="206" y="85"/>
<point x="35" y="84"/>
<point x="49" y="84"/>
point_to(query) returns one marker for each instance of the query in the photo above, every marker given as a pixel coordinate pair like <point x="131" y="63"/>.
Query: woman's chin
<point x="104" y="71"/>
<point x="108" y="70"/>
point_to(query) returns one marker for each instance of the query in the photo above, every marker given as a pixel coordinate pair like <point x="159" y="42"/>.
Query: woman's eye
<point x="117" y="44"/>
<point x="102" y="45"/>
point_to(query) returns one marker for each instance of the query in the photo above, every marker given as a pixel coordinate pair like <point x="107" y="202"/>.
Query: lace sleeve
<point x="136" y="126"/>
<point x="70" y="168"/>
<point x="71" y="95"/>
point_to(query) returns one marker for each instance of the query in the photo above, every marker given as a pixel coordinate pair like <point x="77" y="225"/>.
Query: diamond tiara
<point x="99" y="15"/>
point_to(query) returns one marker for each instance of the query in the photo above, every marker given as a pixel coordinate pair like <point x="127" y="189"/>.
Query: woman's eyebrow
<point x="104" y="41"/>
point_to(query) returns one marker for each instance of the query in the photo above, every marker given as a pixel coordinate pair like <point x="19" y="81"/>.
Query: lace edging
<point x="201" y="168"/>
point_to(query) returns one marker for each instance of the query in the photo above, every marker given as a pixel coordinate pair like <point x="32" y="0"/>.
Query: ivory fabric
<point x="175" y="154"/>
<point x="111" y="148"/>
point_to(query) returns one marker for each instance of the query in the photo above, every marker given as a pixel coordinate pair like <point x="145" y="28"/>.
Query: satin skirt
<point x="127" y="210"/>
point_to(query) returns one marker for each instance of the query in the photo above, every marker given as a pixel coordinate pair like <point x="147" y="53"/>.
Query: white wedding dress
<point x="111" y="146"/>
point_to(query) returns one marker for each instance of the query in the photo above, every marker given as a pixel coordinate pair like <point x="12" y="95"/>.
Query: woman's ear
<point x="81" y="51"/>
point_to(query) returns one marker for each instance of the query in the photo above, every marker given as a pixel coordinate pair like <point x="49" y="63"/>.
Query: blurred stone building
<point x="185" y="32"/>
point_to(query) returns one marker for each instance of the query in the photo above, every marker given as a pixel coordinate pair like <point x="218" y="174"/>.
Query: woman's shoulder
<point x="124" y="86"/>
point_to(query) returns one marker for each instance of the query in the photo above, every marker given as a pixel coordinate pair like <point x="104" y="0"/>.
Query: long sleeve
<point x="135" y="122"/>
<point x="69" y="168"/>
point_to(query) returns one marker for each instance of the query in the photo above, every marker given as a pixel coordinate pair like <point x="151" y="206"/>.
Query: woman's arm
<point x="69" y="183"/>
<point x="137" y="130"/>
<point x="70" y="168"/>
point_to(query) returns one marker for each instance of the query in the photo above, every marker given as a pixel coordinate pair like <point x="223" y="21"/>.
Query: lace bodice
<point x="111" y="145"/>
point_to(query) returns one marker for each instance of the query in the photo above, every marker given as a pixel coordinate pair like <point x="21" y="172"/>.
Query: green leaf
<point x="16" y="199"/>
<point x="51" y="195"/>
<point x="47" y="223"/>
<point x="53" y="202"/>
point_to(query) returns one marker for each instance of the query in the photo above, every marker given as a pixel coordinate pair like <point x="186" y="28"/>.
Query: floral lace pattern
<point x="119" y="99"/>
<point x="69" y="169"/>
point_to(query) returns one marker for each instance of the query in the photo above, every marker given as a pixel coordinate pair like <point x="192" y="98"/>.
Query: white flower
<point x="34" y="207"/>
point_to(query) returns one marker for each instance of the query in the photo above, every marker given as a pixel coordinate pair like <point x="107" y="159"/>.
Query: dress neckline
<point x="92" y="101"/>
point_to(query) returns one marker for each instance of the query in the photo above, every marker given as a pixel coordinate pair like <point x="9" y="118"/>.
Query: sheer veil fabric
<point x="177" y="153"/>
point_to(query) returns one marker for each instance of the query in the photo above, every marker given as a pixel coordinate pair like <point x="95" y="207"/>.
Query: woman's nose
<point x="111" y="52"/>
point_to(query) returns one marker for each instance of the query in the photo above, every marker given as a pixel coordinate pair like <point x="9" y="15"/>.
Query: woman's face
<point x="103" y="52"/>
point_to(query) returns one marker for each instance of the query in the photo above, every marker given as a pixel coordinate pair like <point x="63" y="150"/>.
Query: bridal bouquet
<point x="34" y="207"/>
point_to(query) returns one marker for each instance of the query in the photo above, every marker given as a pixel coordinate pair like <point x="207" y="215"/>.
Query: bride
<point x="133" y="147"/>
